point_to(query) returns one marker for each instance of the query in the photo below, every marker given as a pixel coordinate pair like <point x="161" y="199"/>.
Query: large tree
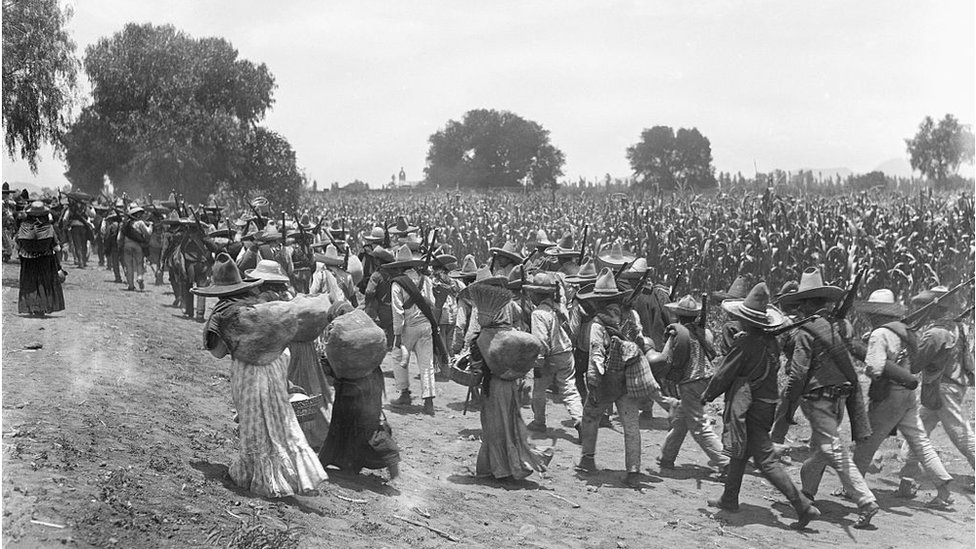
<point x="672" y="160"/>
<point x="490" y="148"/>
<point x="39" y="76"/>
<point x="937" y="150"/>
<point x="171" y="112"/>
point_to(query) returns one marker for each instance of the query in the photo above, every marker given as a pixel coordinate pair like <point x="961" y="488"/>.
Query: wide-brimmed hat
<point x="787" y="288"/>
<point x="614" y="254"/>
<point x="587" y="273"/>
<point x="6" y="188"/>
<point x="382" y="255"/>
<point x="509" y="251"/>
<point x="738" y="290"/>
<point x="336" y="230"/>
<point x="301" y="234"/>
<point x="515" y="279"/>
<point x="636" y="269"/>
<point x="267" y="270"/>
<point x="78" y="196"/>
<point x="812" y="287"/>
<point x="403" y="257"/>
<point x="330" y="257"/>
<point x="268" y="234"/>
<point x="686" y="306"/>
<point x="468" y="270"/>
<point x="412" y="241"/>
<point x="401" y="227"/>
<point x="222" y="233"/>
<point x="378" y="234"/>
<point x="539" y="240"/>
<point x="37" y="207"/>
<point x="925" y="297"/>
<point x="446" y="261"/>
<point x="135" y="210"/>
<point x="484" y="276"/>
<point x="605" y="288"/>
<point x="881" y="302"/>
<point x="755" y="309"/>
<point x="226" y="279"/>
<point x="566" y="247"/>
<point x="543" y="282"/>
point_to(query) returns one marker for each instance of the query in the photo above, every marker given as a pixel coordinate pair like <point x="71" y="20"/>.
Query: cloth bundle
<point x="354" y="345"/>
<point x="258" y="334"/>
<point x="509" y="353"/>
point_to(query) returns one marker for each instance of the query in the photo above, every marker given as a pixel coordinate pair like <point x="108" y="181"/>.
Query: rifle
<point x="638" y="288"/>
<point x="526" y="316"/>
<point x="674" y="287"/>
<point x="386" y="236"/>
<point x="260" y="223"/>
<point x="915" y="320"/>
<point x="844" y="306"/>
<point x="582" y="255"/>
<point x="430" y="251"/>
<point x="703" y="321"/>
<point x="965" y="315"/>
<point x="620" y="271"/>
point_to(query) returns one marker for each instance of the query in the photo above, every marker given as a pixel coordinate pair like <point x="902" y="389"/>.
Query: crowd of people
<point x="616" y="303"/>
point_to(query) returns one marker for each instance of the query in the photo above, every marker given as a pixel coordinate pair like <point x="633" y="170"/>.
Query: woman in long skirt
<point x="40" y="268"/>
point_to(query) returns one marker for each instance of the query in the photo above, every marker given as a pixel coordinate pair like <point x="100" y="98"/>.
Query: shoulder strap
<point x="418" y="299"/>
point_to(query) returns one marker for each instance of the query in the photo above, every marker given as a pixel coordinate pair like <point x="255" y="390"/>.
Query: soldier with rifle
<point x="945" y="359"/>
<point x="823" y="381"/>
<point x="134" y="234"/>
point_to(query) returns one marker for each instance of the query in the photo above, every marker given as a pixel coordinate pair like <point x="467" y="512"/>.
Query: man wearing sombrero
<point x="134" y="234"/>
<point x="747" y="376"/>
<point x="465" y="314"/>
<point x="329" y="271"/>
<point x="945" y="359"/>
<point x="822" y="379"/>
<point x="894" y="401"/>
<point x="377" y="294"/>
<point x="504" y="259"/>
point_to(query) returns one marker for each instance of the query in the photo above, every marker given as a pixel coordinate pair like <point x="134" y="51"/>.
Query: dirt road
<point x="118" y="430"/>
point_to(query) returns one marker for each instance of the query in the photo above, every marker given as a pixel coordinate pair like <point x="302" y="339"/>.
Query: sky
<point x="361" y="85"/>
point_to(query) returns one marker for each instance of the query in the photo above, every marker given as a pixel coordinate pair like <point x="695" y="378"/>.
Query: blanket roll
<point x="509" y="353"/>
<point x="354" y="345"/>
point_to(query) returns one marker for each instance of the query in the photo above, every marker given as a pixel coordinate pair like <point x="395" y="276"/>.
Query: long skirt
<point x="274" y="460"/>
<point x="505" y="450"/>
<point x="359" y="437"/>
<point x="305" y="371"/>
<point x="40" y="287"/>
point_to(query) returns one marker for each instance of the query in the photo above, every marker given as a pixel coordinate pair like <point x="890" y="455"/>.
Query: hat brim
<point x="627" y="258"/>
<point x="222" y="233"/>
<point x="373" y="239"/>
<point x="540" y="288"/>
<point x="895" y="310"/>
<point x="830" y="293"/>
<point x="400" y="232"/>
<point x="505" y="253"/>
<point x="600" y="296"/>
<point x="224" y="290"/>
<point x="269" y="277"/>
<point x="327" y="260"/>
<point x="556" y="251"/>
<point x="580" y="280"/>
<point x="632" y="275"/>
<point x="462" y="275"/>
<point x="402" y="264"/>
<point x="774" y="318"/>
<point x="539" y="244"/>
<point x="496" y="280"/>
<point x="682" y="311"/>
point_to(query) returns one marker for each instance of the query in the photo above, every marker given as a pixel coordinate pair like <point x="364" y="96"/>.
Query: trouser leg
<point x="700" y="430"/>
<point x="733" y="481"/>
<point x="629" y="411"/>
<point x="825" y="417"/>
<point x="542" y="377"/>
<point x="564" y="371"/>
<point x="955" y="423"/>
<point x="401" y="361"/>
<point x="883" y="416"/>
<point x="593" y="410"/>
<point x="418" y="339"/>
<point x="679" y="428"/>
<point x="921" y="447"/>
<point x="128" y="257"/>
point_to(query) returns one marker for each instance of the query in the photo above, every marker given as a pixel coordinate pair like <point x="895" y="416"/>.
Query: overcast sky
<point x="362" y="85"/>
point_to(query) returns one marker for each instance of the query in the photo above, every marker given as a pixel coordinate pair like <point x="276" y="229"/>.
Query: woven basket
<point x="465" y="373"/>
<point x="306" y="409"/>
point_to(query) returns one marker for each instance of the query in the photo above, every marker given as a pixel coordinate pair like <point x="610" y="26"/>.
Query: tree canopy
<point x="490" y="148"/>
<point x="672" y="160"/>
<point x="171" y="112"/>
<point x="937" y="150"/>
<point x="39" y="76"/>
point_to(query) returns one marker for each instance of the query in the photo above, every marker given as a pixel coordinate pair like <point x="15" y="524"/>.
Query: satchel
<point x="640" y="380"/>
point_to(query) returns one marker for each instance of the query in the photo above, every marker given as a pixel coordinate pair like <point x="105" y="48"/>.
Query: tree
<point x="938" y="150"/>
<point x="269" y="169"/>
<point x="490" y="148"/>
<point x="672" y="160"/>
<point x="171" y="112"/>
<point x="39" y="76"/>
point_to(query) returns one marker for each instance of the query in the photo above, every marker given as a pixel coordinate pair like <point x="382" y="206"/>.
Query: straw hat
<point x="614" y="254"/>
<point x="881" y="302"/>
<point x="636" y="269"/>
<point x="468" y="270"/>
<point x="484" y="276"/>
<point x="539" y="240"/>
<point x="378" y="234"/>
<point x="605" y="288"/>
<point x="566" y="247"/>
<point x="37" y="208"/>
<point x="755" y="309"/>
<point x="412" y="241"/>
<point x="446" y="261"/>
<point x="267" y="271"/>
<point x="401" y="227"/>
<point x="587" y="273"/>
<point x="684" y="307"/>
<point x="330" y="257"/>
<point x="507" y="250"/>
<point x="812" y="287"/>
<point x="738" y="290"/>
<point x="222" y="233"/>
<point x="382" y="255"/>
<point x="515" y="277"/>
<point x="226" y="279"/>
<point x="544" y="282"/>
<point x="927" y="296"/>
<point x="135" y="210"/>
<point x="269" y="234"/>
<point x="403" y="258"/>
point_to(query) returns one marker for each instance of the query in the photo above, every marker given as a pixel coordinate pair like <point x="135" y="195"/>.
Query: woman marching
<point x="40" y="269"/>
<point x="507" y="354"/>
<point x="748" y="378"/>
<point x="275" y="460"/>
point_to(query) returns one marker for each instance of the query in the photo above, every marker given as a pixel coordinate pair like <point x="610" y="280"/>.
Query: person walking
<point x="411" y="300"/>
<point x="39" y="290"/>
<point x="133" y="237"/>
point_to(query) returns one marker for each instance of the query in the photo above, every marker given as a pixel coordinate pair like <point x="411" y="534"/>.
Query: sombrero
<point x="376" y="235"/>
<point x="222" y="233"/>
<point x="755" y="309"/>
<point x="515" y="278"/>
<point x="587" y="273"/>
<point x="686" y="306"/>
<point x="925" y="297"/>
<point x="541" y="283"/>
<point x="267" y="271"/>
<point x="412" y="241"/>
<point x="37" y="207"/>
<point x="605" y="288"/>
<point x="508" y="251"/>
<point x="812" y="287"/>
<point x="484" y="276"/>
<point x="566" y="247"/>
<point x="226" y="279"/>
<point x="79" y="196"/>
<point x="444" y="260"/>
<point x="738" y="290"/>
<point x="135" y="210"/>
<point x="382" y="255"/>
<point x="539" y="240"/>
<point x="401" y="227"/>
<point x="881" y="302"/>
<point x="331" y="256"/>
<point x="403" y="258"/>
<point x="636" y="269"/>
<point x="468" y="270"/>
<point x="615" y="255"/>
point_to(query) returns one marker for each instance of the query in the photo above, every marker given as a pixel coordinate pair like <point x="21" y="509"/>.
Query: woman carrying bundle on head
<point x="40" y="269"/>
<point x="275" y="460"/>
<point x="507" y="354"/>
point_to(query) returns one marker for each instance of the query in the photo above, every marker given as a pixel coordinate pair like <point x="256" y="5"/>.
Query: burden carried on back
<point x="354" y="345"/>
<point x="263" y="331"/>
<point x="508" y="353"/>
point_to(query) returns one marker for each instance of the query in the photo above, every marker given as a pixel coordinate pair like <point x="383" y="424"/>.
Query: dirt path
<point x="119" y="429"/>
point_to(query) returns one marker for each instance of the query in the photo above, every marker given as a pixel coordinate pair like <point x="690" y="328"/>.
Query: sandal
<point x="841" y="493"/>
<point x="941" y="504"/>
